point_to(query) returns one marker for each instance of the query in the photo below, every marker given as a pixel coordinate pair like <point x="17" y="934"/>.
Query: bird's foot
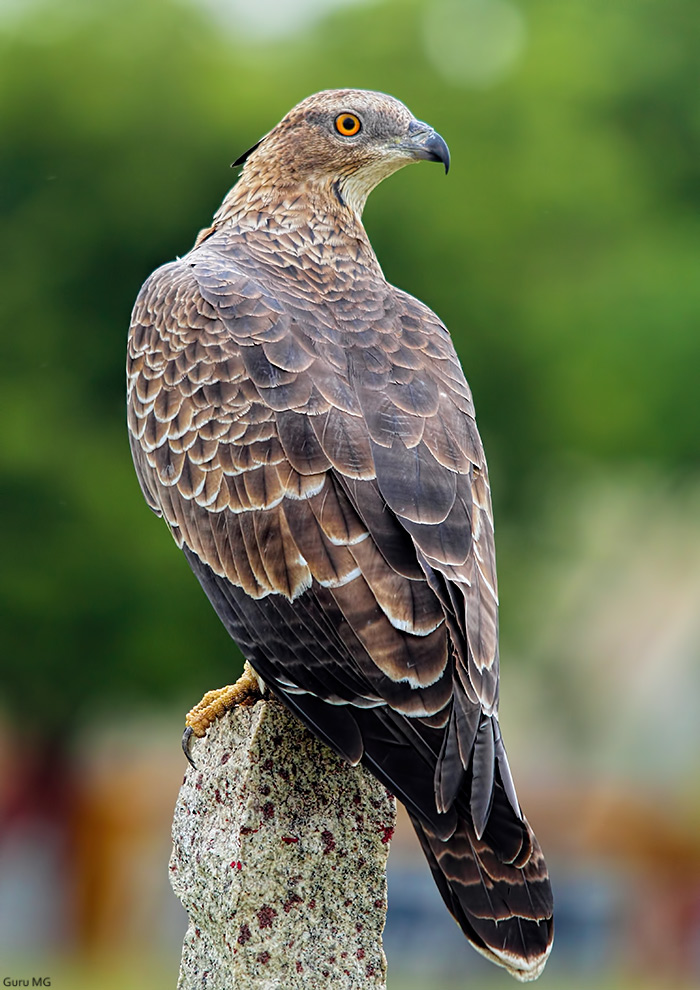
<point x="215" y="704"/>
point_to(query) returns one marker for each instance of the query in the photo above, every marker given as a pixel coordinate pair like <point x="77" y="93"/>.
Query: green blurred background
<point x="562" y="251"/>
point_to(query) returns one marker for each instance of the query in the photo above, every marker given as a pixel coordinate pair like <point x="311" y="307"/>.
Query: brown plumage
<point x="307" y="433"/>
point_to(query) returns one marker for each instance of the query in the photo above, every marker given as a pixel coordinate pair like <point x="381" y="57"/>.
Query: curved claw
<point x="186" y="736"/>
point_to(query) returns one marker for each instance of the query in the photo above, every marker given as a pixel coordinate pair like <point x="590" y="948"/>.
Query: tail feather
<point x="504" y="911"/>
<point x="496" y="886"/>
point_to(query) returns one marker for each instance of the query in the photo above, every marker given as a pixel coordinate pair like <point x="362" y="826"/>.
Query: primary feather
<point x="307" y="433"/>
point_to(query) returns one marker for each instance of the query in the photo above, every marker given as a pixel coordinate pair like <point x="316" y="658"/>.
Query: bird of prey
<point x="306" y="431"/>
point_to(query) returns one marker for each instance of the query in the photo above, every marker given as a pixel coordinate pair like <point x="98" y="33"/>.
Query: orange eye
<point x="347" y="124"/>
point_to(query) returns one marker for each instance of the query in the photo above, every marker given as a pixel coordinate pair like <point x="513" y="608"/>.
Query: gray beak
<point x="426" y="144"/>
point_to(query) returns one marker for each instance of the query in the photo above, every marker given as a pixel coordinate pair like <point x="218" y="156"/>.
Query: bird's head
<point x="343" y="141"/>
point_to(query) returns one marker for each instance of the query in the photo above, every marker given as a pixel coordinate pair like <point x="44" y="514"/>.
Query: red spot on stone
<point x="361" y="861"/>
<point x="266" y="916"/>
<point x="248" y="831"/>
<point x="225" y="758"/>
<point x="388" y="831"/>
<point x="356" y="799"/>
<point x="360" y="953"/>
<point x="331" y="959"/>
<point x="343" y="955"/>
<point x="217" y="795"/>
<point x="312" y="904"/>
<point x="268" y="810"/>
<point x="243" y="935"/>
<point x="289" y="839"/>
<point x="348" y="902"/>
<point x="328" y="842"/>
<point x="299" y="966"/>
<point x="236" y="864"/>
<point x="325" y="972"/>
<point x="293" y="900"/>
<point x="358" y="927"/>
<point x="370" y="971"/>
<point x="200" y="780"/>
<point x="379" y="904"/>
<point x="263" y="957"/>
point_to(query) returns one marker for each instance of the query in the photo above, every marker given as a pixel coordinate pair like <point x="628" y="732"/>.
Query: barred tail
<point x="496" y="887"/>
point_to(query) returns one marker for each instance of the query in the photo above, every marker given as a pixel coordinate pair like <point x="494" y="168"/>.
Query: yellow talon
<point x="214" y="704"/>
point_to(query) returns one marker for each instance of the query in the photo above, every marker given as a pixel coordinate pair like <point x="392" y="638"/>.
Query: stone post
<point x="279" y="858"/>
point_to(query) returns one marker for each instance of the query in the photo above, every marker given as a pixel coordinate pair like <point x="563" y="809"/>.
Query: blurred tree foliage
<point x="562" y="251"/>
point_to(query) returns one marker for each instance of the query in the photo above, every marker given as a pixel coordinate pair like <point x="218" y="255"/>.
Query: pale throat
<point x="355" y="187"/>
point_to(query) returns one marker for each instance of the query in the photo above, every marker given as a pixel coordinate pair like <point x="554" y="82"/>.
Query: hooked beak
<point x="426" y="144"/>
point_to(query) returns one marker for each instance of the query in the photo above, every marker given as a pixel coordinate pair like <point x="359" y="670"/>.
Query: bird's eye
<point x="348" y="124"/>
